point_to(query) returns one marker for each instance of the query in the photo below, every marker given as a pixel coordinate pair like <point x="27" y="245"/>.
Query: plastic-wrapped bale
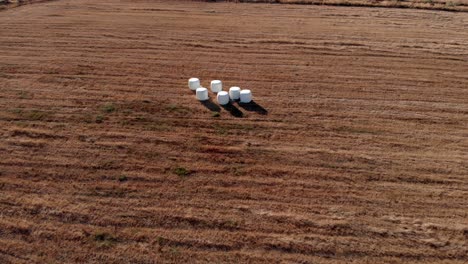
<point x="223" y="98"/>
<point x="202" y="94"/>
<point x="216" y="86"/>
<point x="194" y="83"/>
<point x="245" y="96"/>
<point x="234" y="93"/>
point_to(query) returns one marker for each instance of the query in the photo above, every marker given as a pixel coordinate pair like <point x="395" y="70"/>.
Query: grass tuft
<point x="108" y="108"/>
<point x="181" y="171"/>
<point x="99" y="119"/>
<point x="104" y="239"/>
<point x="36" y="115"/>
<point x="177" y="109"/>
<point x="123" y="178"/>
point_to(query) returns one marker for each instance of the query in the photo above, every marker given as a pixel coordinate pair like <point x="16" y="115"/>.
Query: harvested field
<point x="445" y="5"/>
<point x="355" y="150"/>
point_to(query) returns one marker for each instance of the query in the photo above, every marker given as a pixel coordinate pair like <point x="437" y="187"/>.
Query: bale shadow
<point x="254" y="107"/>
<point x="233" y="110"/>
<point x="210" y="105"/>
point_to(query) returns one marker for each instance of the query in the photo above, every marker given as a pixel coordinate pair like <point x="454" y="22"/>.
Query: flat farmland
<point x="355" y="149"/>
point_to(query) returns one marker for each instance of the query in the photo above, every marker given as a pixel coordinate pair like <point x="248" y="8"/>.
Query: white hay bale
<point x="245" y="96"/>
<point x="194" y="83"/>
<point x="234" y="93"/>
<point x="216" y="86"/>
<point x="202" y="94"/>
<point x="223" y="98"/>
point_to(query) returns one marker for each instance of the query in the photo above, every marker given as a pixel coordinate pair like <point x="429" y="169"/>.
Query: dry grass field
<point x="355" y="150"/>
<point x="446" y="5"/>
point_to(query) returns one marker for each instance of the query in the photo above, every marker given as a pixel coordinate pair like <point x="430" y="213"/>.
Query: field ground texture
<point x="355" y="150"/>
<point x="446" y="5"/>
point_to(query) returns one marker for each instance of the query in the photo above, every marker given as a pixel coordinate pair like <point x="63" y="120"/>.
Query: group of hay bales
<point x="235" y="93"/>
